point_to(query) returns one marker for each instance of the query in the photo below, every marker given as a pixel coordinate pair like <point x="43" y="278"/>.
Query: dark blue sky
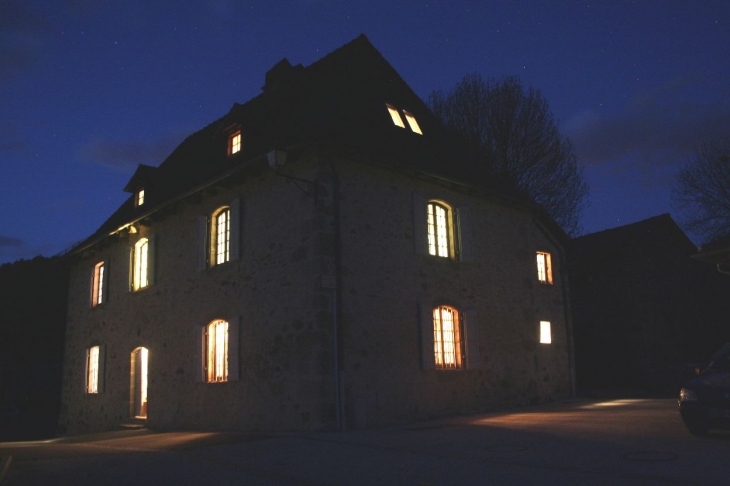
<point x="91" y="88"/>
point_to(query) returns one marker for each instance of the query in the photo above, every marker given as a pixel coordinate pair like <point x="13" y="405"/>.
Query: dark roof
<point x="337" y="103"/>
<point x="642" y="235"/>
<point x="716" y="251"/>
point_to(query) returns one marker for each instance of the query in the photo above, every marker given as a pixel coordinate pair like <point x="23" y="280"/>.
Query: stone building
<point x="321" y="257"/>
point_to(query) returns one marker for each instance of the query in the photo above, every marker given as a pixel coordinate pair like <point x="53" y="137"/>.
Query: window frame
<point x="544" y="267"/>
<point x="412" y="122"/>
<point x="447" y="343"/>
<point x="207" y="235"/>
<point x="395" y="116"/>
<point x="235" y="143"/>
<point x="142" y="259"/>
<point x="139" y="197"/>
<point x="546" y="332"/>
<point x="95" y="369"/>
<point x="445" y="234"/>
<point x="99" y="283"/>
<point x="220" y="254"/>
<point x="459" y="229"/>
<point x="216" y="359"/>
<point x="202" y="358"/>
<point x="468" y="337"/>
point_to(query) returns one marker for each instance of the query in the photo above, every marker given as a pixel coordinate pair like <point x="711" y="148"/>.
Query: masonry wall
<point x="274" y="290"/>
<point x="282" y="289"/>
<point x="384" y="282"/>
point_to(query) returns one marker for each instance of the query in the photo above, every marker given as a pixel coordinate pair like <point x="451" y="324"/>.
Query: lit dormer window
<point x="234" y="143"/>
<point x="395" y="115"/>
<point x="412" y="123"/>
<point x="140" y="197"/>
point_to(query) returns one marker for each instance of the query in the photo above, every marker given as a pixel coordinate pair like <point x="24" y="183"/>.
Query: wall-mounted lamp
<point x="277" y="159"/>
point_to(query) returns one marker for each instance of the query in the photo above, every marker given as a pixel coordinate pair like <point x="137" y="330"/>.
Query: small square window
<point x="140" y="197"/>
<point x="234" y="143"/>
<point x="545" y="333"/>
<point x="395" y="115"/>
<point x="412" y="123"/>
<point x="544" y="268"/>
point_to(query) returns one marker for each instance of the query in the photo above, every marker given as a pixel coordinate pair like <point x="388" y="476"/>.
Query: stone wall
<point x="283" y="291"/>
<point x="286" y="377"/>
<point x="384" y="282"/>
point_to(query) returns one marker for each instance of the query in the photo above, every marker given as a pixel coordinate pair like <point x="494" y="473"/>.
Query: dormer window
<point x="412" y="123"/>
<point x="140" y="197"/>
<point x="234" y="143"/>
<point x="395" y="115"/>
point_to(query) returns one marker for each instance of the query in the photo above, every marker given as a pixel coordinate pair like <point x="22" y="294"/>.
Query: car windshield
<point x="721" y="359"/>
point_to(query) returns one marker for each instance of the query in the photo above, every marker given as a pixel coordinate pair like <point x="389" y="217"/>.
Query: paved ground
<point x="627" y="442"/>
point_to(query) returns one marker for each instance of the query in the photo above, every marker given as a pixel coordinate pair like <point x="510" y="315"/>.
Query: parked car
<point x="704" y="401"/>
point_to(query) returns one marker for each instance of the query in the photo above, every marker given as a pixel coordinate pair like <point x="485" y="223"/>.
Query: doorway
<point x="138" y="383"/>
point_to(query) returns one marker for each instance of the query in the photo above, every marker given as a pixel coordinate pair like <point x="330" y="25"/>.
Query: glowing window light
<point x="446" y="338"/>
<point x="544" y="268"/>
<point x="395" y="115"/>
<point x="141" y="271"/>
<point x="221" y="229"/>
<point x="234" y="143"/>
<point x="97" y="292"/>
<point x="412" y="123"/>
<point x="140" y="197"/>
<point x="144" y="362"/>
<point x="217" y="351"/>
<point x="438" y="230"/>
<point x="545" y="333"/>
<point x="92" y="379"/>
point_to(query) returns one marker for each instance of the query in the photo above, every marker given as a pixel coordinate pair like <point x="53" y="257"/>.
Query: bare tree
<point x="516" y="136"/>
<point x="701" y="192"/>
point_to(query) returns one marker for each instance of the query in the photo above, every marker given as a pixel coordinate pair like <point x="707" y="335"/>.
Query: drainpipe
<point x="339" y="374"/>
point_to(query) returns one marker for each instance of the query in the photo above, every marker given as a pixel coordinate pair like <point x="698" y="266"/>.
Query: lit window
<point x="140" y="267"/>
<point x="439" y="229"/>
<point x="544" y="268"/>
<point x="217" y="351"/>
<point x="395" y="115"/>
<point x="97" y="286"/>
<point x="140" y="197"/>
<point x="412" y="122"/>
<point x="446" y="338"/>
<point x="92" y="370"/>
<point x="234" y="143"/>
<point x="545" y="334"/>
<point x="221" y="236"/>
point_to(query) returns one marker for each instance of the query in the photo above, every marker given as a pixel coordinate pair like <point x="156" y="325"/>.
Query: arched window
<point x="98" y="284"/>
<point x="220" y="236"/>
<point x="447" y="338"/>
<point x="216" y="351"/>
<point x="140" y="267"/>
<point x="440" y="229"/>
<point x="92" y="369"/>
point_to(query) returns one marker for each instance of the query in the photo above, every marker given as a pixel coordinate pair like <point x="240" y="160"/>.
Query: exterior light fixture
<point x="276" y="158"/>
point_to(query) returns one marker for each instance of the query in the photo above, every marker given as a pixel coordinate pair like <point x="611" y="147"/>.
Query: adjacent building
<point x="646" y="312"/>
<point x="323" y="256"/>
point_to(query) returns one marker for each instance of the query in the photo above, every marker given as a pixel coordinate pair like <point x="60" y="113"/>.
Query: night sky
<point x="91" y="88"/>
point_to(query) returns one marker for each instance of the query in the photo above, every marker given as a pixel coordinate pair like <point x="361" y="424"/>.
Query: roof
<point x="716" y="251"/>
<point x="336" y="103"/>
<point x="642" y="235"/>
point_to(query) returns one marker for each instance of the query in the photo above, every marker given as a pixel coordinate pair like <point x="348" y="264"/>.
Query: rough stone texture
<point x="282" y="289"/>
<point x="384" y="282"/>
